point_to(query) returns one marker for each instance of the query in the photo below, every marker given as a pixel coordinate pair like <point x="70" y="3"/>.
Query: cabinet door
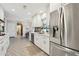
<point x="37" y="21"/>
<point x="37" y="40"/>
<point x="0" y="51"/>
<point x="6" y="47"/>
<point x="45" y="44"/>
<point x="41" y="42"/>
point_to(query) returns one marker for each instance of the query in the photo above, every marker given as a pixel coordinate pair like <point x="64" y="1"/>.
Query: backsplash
<point x="41" y="30"/>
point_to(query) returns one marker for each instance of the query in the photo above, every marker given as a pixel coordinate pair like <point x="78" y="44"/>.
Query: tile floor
<point x="23" y="47"/>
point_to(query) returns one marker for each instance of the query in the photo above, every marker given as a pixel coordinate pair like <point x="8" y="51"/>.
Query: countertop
<point x="43" y="34"/>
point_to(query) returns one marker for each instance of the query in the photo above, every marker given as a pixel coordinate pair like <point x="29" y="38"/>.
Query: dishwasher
<point x="32" y="37"/>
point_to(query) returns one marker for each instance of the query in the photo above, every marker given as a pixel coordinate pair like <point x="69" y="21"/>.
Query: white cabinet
<point x="54" y="6"/>
<point x="4" y="43"/>
<point x="37" y="21"/>
<point x="1" y="13"/>
<point x="42" y="42"/>
<point x="37" y="40"/>
<point x="46" y="45"/>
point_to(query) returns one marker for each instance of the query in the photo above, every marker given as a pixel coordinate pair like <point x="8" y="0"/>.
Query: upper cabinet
<point x="2" y="22"/>
<point x="55" y="6"/>
<point x="37" y="21"/>
<point x="1" y="14"/>
<point x="40" y="20"/>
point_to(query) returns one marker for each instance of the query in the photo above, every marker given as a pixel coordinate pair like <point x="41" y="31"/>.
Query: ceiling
<point x="24" y="10"/>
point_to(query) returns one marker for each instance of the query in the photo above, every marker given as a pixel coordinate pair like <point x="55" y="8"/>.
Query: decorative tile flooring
<point x="23" y="47"/>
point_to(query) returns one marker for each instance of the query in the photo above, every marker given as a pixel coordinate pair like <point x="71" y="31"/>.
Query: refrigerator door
<point x="71" y="18"/>
<point x="55" y="27"/>
<point x="58" y="50"/>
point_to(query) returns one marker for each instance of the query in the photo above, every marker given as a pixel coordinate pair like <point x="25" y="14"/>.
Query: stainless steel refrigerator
<point x="64" y="30"/>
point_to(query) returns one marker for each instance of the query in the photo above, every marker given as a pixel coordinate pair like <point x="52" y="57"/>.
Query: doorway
<point x="19" y="29"/>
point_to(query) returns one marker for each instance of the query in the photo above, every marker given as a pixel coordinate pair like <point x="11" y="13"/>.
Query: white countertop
<point x="45" y="34"/>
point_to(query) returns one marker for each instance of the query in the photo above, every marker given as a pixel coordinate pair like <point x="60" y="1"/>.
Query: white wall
<point x="11" y="28"/>
<point x="10" y="24"/>
<point x="26" y="27"/>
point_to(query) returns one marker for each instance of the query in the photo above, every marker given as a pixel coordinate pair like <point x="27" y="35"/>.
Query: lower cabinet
<point x="3" y="49"/>
<point x="42" y="42"/>
<point x="4" y="46"/>
<point x="47" y="46"/>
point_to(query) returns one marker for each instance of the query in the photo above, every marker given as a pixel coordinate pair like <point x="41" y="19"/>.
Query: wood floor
<point x="23" y="47"/>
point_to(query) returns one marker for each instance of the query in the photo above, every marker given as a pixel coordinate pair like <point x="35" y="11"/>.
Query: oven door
<point x="55" y="27"/>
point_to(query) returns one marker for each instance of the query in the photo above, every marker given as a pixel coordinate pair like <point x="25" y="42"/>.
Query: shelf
<point x="2" y="21"/>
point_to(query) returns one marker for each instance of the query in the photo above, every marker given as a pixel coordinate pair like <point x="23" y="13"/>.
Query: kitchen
<point x="31" y="22"/>
<point x="52" y="28"/>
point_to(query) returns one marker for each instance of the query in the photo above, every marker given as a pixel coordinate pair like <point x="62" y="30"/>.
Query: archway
<point x="19" y="29"/>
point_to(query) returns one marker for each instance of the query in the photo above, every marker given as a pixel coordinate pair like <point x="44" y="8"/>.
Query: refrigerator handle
<point x="60" y="10"/>
<point x="62" y="31"/>
<point x="55" y="28"/>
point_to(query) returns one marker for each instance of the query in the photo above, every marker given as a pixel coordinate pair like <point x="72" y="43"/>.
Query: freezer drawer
<point x="57" y="50"/>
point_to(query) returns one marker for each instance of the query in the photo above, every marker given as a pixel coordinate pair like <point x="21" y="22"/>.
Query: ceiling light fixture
<point x="41" y="11"/>
<point x="29" y="13"/>
<point x="13" y="9"/>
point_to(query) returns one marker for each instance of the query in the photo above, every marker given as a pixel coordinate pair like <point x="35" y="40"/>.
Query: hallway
<point x="23" y="47"/>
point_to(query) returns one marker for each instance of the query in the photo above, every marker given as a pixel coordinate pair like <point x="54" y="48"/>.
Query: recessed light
<point x="13" y="9"/>
<point x="29" y="13"/>
<point x="41" y="11"/>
